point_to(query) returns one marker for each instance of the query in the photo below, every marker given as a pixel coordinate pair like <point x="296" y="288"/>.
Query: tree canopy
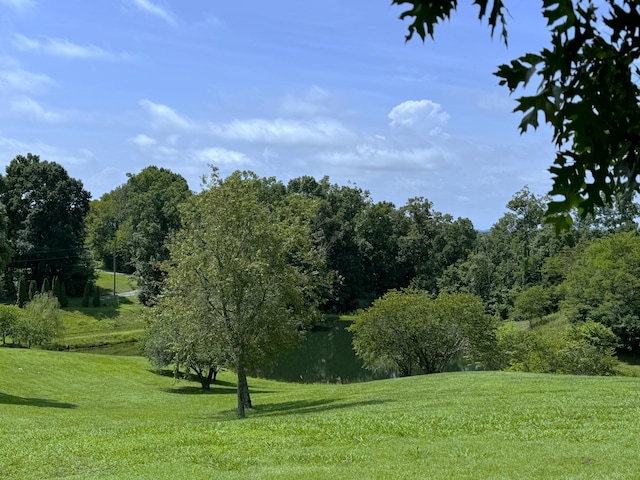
<point x="587" y="92"/>
<point x="46" y="209"/>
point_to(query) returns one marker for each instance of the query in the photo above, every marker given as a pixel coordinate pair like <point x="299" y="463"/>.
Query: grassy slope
<point x="67" y="415"/>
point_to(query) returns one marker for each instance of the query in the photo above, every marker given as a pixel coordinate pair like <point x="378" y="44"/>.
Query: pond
<point x="326" y="356"/>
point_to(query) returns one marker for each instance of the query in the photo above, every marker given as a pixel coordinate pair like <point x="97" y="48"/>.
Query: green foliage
<point x="45" y="210"/>
<point x="96" y="301"/>
<point x="9" y="318"/>
<point x="86" y="296"/>
<point x="241" y="267"/>
<point x="136" y="219"/>
<point x="33" y="289"/>
<point x="604" y="286"/>
<point x="63" y="298"/>
<point x="40" y="322"/>
<point x="407" y="330"/>
<point x="23" y="296"/>
<point x="534" y="303"/>
<point x="587" y="348"/>
<point x="46" y="286"/>
<point x="587" y="92"/>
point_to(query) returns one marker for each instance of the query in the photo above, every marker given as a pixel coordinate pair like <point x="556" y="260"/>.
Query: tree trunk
<point x="244" y="399"/>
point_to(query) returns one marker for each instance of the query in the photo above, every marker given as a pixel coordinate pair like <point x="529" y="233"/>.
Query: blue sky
<point x="283" y="88"/>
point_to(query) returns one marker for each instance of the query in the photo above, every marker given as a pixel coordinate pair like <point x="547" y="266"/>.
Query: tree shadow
<point x="310" y="406"/>
<point x="106" y="311"/>
<point x="6" y="399"/>
<point x="299" y="407"/>
<point x="218" y="388"/>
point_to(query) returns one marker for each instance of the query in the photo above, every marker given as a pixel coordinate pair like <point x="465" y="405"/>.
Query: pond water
<point x="326" y="356"/>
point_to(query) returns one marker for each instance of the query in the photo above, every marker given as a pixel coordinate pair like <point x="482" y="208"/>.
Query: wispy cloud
<point x="284" y="132"/>
<point x="18" y="80"/>
<point x="155" y="10"/>
<point x="26" y="106"/>
<point x="19" y="5"/>
<point x="64" y="48"/>
<point x="163" y="116"/>
<point x="220" y="156"/>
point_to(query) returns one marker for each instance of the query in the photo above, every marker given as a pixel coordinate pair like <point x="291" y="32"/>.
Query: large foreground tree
<point x="588" y="92"/>
<point x="239" y="268"/>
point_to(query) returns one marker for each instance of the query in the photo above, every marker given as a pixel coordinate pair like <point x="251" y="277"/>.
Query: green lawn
<point x="71" y="415"/>
<point x="124" y="283"/>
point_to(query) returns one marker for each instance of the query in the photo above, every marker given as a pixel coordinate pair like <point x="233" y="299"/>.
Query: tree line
<point x="240" y="270"/>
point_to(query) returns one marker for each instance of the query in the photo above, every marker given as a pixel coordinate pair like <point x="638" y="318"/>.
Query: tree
<point x="23" y="295"/>
<point x="238" y="262"/>
<point x="181" y="334"/>
<point x="587" y="92"/>
<point x="9" y="318"/>
<point x="40" y="323"/>
<point x="46" y="286"/>
<point x="405" y="330"/>
<point x="604" y="286"/>
<point x="136" y="220"/>
<point x="33" y="289"/>
<point x="45" y="211"/>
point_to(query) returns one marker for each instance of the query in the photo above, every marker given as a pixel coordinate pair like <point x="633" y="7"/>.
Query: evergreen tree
<point x="86" y="295"/>
<point x="96" y="297"/>
<point x="55" y="287"/>
<point x="46" y="285"/>
<point x="23" y="297"/>
<point x="33" y="289"/>
<point x="63" y="299"/>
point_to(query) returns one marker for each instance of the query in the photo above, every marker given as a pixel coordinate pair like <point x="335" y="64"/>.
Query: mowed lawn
<point x="72" y="415"/>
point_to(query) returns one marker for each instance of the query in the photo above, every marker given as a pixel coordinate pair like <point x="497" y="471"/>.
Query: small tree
<point x="23" y="296"/>
<point x="9" y="317"/>
<point x="33" y="289"/>
<point x="64" y="299"/>
<point x="55" y="287"/>
<point x="96" y="297"/>
<point x="86" y="296"/>
<point x="46" y="286"/>
<point x="40" y="322"/>
<point x="406" y="330"/>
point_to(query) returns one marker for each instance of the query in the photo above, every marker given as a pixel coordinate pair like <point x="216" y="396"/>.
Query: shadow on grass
<point x="6" y="399"/>
<point x="106" y="311"/>
<point x="309" y="406"/>
<point x="218" y="388"/>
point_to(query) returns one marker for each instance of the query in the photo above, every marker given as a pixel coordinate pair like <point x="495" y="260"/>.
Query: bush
<point x="9" y="317"/>
<point x="40" y="322"/>
<point x="33" y="289"/>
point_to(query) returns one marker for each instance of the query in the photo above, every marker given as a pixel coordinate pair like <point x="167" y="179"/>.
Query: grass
<point x="68" y="415"/>
<point x="124" y="283"/>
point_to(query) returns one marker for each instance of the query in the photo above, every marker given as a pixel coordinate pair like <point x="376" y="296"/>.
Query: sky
<point x="283" y="88"/>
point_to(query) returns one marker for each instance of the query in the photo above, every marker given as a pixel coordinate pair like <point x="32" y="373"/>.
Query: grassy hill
<point x="72" y="415"/>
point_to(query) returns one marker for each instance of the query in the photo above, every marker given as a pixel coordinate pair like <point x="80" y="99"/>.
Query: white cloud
<point x="155" y="10"/>
<point x="163" y="116"/>
<point x="284" y="132"/>
<point x="373" y="157"/>
<point x="19" y="80"/>
<point x="420" y="115"/>
<point x="27" y="106"/>
<point x="59" y="47"/>
<point x="142" y="141"/>
<point x="220" y="156"/>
